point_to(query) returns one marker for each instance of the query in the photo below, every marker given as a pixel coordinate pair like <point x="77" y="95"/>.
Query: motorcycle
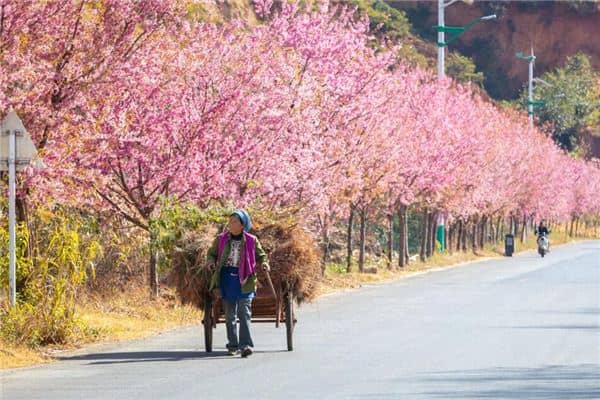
<point x="543" y="244"/>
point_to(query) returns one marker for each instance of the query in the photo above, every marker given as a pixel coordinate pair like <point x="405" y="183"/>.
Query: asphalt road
<point x="512" y="328"/>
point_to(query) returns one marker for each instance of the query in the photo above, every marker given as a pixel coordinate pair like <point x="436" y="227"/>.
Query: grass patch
<point x="115" y="316"/>
<point x="12" y="356"/>
<point x="133" y="315"/>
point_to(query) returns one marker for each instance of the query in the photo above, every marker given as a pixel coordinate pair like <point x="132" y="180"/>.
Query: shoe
<point x="232" y="352"/>
<point x="246" y="352"/>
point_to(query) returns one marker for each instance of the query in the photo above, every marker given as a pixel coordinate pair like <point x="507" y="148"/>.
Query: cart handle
<point x="270" y="282"/>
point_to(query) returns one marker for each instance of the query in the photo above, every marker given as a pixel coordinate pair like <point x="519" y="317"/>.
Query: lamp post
<point x="441" y="29"/>
<point x="530" y="103"/>
<point x="456" y="31"/>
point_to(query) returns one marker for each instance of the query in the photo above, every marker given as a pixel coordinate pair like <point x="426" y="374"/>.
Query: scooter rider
<point x="542" y="230"/>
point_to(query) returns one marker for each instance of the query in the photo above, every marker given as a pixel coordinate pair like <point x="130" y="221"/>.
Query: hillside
<point x="555" y="29"/>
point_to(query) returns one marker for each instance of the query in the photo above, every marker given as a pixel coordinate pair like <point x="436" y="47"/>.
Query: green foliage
<point x="570" y="102"/>
<point x="61" y="259"/>
<point x="336" y="268"/>
<point x="462" y="69"/>
<point x="388" y="20"/>
<point x="593" y="119"/>
<point x="414" y="232"/>
<point x="393" y="24"/>
<point x="174" y="220"/>
<point x="413" y="56"/>
<point x="25" y="264"/>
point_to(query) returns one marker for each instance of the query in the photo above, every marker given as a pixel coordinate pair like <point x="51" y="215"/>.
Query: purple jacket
<point x="247" y="265"/>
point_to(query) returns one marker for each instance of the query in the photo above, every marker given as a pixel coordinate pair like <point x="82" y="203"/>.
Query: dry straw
<point x="292" y="252"/>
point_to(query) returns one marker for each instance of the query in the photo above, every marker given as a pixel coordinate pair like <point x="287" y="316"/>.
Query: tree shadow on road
<point x="151" y="356"/>
<point x="550" y="382"/>
<point x="553" y="382"/>
<point x="565" y="327"/>
<point x="595" y="311"/>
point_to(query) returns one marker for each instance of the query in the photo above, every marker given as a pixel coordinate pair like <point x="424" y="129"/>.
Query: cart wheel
<point x="289" y="320"/>
<point x="207" y="321"/>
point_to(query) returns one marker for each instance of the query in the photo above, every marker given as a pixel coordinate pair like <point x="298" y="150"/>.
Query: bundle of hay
<point x="189" y="274"/>
<point x="292" y="253"/>
<point x="294" y="258"/>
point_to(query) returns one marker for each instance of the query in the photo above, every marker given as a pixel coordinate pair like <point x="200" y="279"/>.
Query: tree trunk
<point x="459" y="234"/>
<point x="446" y="235"/>
<point x="403" y="239"/>
<point x="349" y="240"/>
<point x="407" y="251"/>
<point x="571" y="230"/>
<point x="465" y="230"/>
<point x="577" y="227"/>
<point x="390" y="240"/>
<point x="450" y="238"/>
<point x="524" y="230"/>
<point x="152" y="272"/>
<point x="424" y="235"/>
<point x="516" y="225"/>
<point x="499" y="233"/>
<point x="474" y="236"/>
<point x="486" y="231"/>
<point x="483" y="231"/>
<point x="326" y="249"/>
<point x="495" y="228"/>
<point x="363" y="231"/>
<point x="431" y="231"/>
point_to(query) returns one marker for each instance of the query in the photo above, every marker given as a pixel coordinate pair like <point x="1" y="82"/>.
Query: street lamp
<point x="456" y="31"/>
<point x="441" y="28"/>
<point x="530" y="103"/>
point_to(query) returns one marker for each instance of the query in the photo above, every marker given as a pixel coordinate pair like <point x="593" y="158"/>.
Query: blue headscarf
<point x="244" y="217"/>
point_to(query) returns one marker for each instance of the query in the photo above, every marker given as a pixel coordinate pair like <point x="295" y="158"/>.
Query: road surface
<point x="510" y="328"/>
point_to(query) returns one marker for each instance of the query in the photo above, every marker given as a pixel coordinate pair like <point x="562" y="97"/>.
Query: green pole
<point x="440" y="234"/>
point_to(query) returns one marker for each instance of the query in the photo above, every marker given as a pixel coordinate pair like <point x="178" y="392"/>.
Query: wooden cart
<point x="272" y="304"/>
